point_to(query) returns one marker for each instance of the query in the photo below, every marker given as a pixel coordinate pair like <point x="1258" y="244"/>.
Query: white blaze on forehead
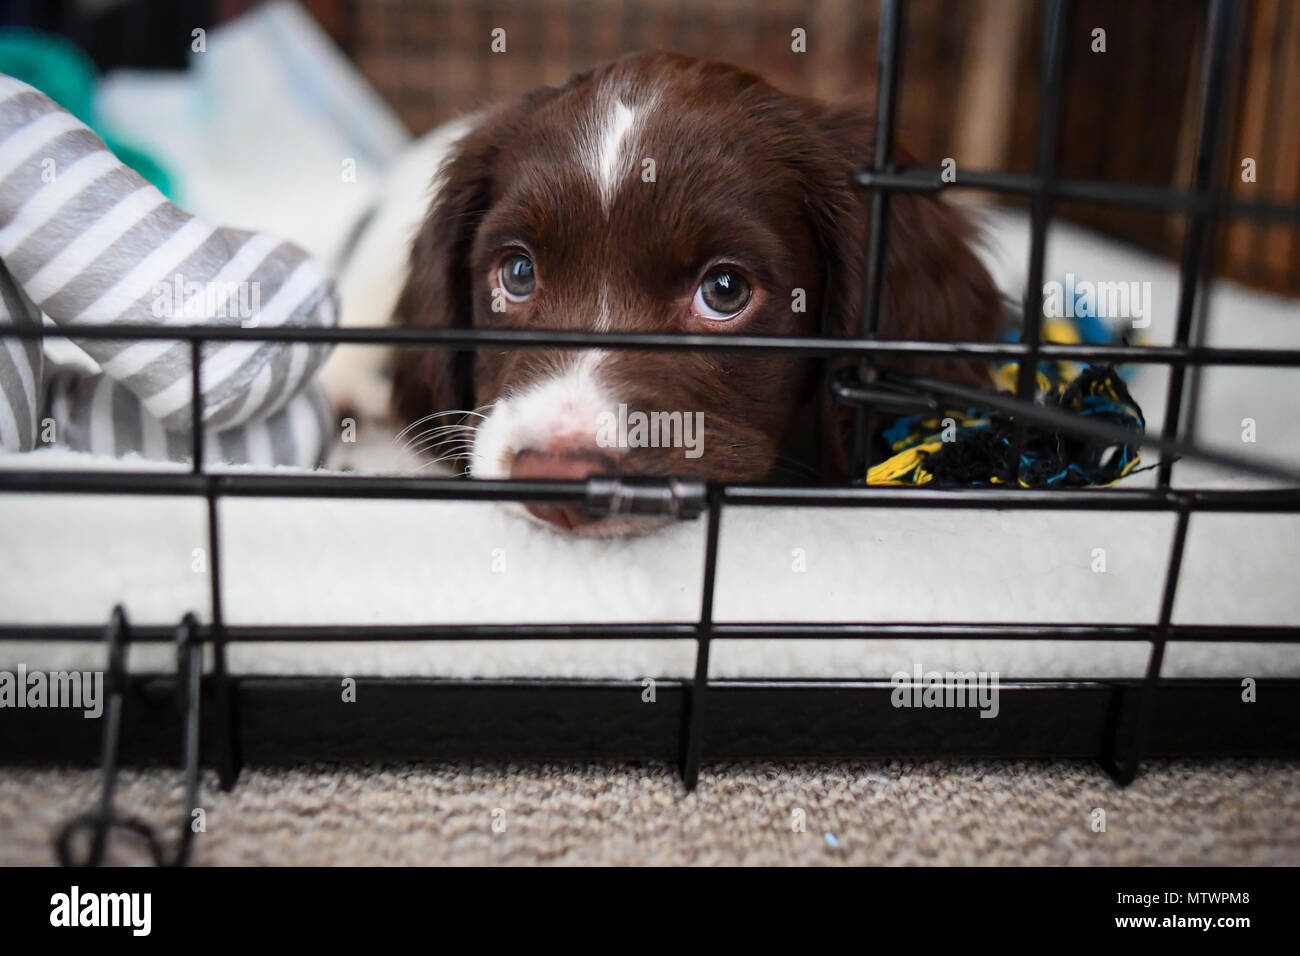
<point x="611" y="147"/>
<point x="606" y="148"/>
<point x="607" y="155"/>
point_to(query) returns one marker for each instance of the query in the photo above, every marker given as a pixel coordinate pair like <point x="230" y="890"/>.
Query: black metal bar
<point x="812" y="347"/>
<point x="227" y="719"/>
<point x="228" y="765"/>
<point x="693" y="702"/>
<point x="196" y="406"/>
<point x="889" y="30"/>
<point x="563" y="492"/>
<point x="1200" y="334"/>
<point x="1049" y="101"/>
<point x="189" y="670"/>
<point x="1112" y="499"/>
<point x="1218" y="32"/>
<point x="116" y="638"/>
<point x="1125" y="770"/>
<point x="1100" y="192"/>
<point x="1020" y="631"/>
<point x="770" y="630"/>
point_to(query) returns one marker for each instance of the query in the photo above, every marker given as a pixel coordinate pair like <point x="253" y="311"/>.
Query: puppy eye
<point x="517" y="277"/>
<point x="723" y="293"/>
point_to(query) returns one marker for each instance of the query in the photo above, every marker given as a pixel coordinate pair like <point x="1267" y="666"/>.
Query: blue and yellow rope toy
<point x="972" y="448"/>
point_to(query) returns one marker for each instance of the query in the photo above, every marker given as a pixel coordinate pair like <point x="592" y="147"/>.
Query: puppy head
<point x="662" y="194"/>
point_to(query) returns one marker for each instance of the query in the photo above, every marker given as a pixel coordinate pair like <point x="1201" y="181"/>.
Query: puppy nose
<point x="564" y="466"/>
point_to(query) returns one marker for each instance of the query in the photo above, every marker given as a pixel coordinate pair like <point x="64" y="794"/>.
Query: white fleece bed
<point x="68" y="559"/>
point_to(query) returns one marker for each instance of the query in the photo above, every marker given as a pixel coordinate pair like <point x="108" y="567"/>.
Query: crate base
<point x="293" y="720"/>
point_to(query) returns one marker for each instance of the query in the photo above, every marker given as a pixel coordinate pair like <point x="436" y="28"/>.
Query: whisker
<point x="436" y="435"/>
<point x="433" y="415"/>
<point x="432" y="446"/>
<point x="444" y="430"/>
<point x="463" y="446"/>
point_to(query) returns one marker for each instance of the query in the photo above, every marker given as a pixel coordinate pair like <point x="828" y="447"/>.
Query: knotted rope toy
<point x="973" y="448"/>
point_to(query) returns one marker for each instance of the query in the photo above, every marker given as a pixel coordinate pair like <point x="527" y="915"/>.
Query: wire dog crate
<point x="226" y="720"/>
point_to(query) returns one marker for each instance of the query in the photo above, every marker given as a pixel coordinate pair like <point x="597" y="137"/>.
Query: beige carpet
<point x="1229" y="812"/>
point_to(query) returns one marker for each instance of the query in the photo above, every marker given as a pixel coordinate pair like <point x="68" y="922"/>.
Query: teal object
<point x="62" y="71"/>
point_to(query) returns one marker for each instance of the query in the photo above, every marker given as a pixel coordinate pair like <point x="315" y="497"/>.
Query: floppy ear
<point x="439" y="289"/>
<point x="935" y="288"/>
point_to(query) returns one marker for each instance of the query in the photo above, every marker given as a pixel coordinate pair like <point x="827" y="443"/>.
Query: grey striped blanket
<point x="86" y="241"/>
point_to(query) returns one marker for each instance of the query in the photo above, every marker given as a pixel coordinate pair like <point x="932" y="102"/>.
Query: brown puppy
<point x="662" y="193"/>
